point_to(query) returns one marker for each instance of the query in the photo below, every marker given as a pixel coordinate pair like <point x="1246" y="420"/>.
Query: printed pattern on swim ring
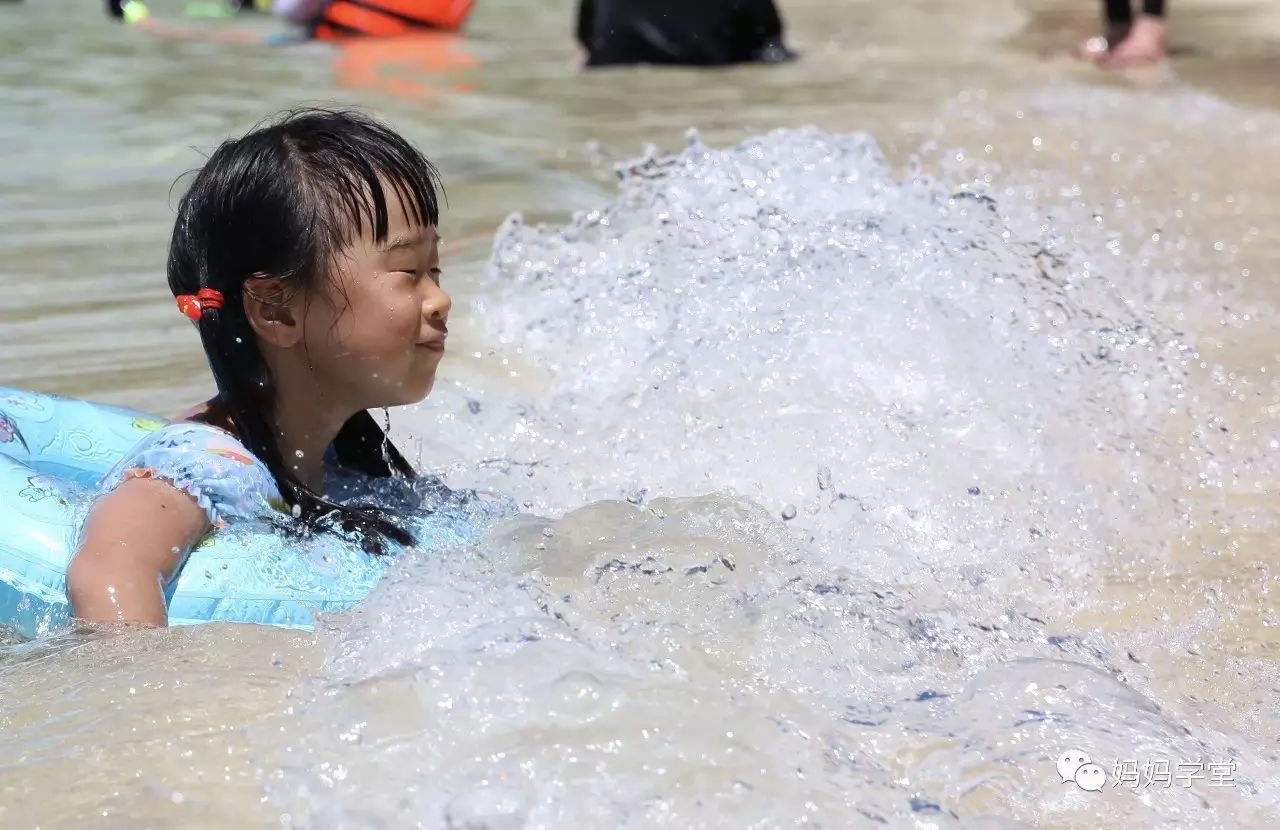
<point x="9" y="432"/>
<point x="21" y="400"/>
<point x="208" y="463"/>
<point x="66" y="432"/>
<point x="145" y="424"/>
<point x="40" y="487"/>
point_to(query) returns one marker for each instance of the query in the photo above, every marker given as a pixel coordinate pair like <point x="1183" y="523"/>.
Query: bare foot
<point x="1147" y="42"/>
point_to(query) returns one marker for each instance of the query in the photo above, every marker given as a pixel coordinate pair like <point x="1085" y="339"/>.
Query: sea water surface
<point x="910" y="423"/>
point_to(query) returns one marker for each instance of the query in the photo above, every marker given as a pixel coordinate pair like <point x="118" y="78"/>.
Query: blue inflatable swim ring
<point x="53" y="451"/>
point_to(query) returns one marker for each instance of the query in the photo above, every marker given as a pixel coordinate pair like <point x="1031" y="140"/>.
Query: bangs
<point x="352" y="167"/>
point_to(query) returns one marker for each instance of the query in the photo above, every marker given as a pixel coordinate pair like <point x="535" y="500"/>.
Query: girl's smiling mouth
<point x="434" y="343"/>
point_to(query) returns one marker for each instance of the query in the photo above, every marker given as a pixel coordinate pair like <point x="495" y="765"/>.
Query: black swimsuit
<point x="691" y="32"/>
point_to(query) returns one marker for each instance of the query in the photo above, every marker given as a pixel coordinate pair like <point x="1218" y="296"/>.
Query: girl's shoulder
<point x="207" y="462"/>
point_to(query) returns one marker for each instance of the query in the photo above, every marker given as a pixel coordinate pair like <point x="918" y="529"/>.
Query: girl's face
<point x="377" y="334"/>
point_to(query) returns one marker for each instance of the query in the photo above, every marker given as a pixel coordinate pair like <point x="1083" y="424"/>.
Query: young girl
<point x="306" y="254"/>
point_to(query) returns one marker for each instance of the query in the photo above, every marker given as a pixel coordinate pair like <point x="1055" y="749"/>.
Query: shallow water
<point x="864" y="474"/>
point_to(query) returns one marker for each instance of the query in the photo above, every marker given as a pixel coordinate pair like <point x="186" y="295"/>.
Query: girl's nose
<point x="437" y="304"/>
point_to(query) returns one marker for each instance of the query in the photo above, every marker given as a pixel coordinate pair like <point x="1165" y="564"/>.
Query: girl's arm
<point x="134" y="542"/>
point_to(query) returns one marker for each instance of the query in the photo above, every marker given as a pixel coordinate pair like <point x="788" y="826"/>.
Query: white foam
<point x="963" y="420"/>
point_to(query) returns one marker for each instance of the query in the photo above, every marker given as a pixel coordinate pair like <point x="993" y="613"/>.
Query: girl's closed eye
<point x="416" y="274"/>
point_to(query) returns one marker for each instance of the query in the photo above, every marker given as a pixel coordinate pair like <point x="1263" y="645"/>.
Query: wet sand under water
<point x="196" y="727"/>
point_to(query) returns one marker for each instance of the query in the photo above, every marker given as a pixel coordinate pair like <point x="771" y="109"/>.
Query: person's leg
<point x="586" y="22"/>
<point x="1118" y="12"/>
<point x="1117" y="19"/>
<point x="1148" y="38"/>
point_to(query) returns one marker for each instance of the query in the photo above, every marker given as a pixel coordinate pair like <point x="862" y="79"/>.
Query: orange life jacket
<point x="385" y="18"/>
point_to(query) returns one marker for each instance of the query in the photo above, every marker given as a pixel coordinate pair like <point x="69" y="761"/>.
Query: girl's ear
<point x="271" y="305"/>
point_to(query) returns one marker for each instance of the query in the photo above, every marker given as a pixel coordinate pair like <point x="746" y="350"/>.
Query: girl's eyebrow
<point x="411" y="239"/>
<point x="403" y="240"/>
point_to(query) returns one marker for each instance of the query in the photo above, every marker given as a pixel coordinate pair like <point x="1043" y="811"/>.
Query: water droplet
<point x="788" y="512"/>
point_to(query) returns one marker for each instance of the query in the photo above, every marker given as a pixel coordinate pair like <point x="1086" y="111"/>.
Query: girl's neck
<point x="305" y="428"/>
<point x="306" y="425"/>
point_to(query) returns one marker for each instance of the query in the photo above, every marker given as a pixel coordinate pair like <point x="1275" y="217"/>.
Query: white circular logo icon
<point x="1091" y="777"/>
<point x="1069" y="762"/>
<point x="1074" y="765"/>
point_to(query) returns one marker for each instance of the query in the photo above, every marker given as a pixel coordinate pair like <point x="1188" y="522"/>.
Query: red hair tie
<point x="194" y="305"/>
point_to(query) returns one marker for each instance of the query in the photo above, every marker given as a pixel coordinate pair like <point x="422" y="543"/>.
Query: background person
<point x="688" y="32"/>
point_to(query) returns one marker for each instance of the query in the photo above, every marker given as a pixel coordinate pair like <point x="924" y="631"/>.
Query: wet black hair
<point x="284" y="201"/>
